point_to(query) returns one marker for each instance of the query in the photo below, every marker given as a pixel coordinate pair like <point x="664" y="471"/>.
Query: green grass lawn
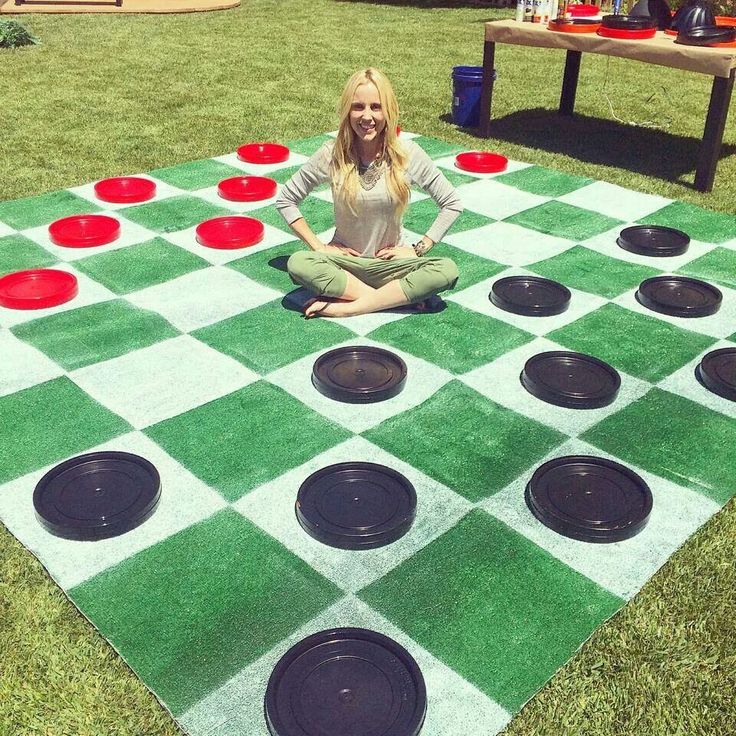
<point x="106" y="95"/>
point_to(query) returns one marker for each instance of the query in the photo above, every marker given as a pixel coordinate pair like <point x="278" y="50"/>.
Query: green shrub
<point x="12" y="35"/>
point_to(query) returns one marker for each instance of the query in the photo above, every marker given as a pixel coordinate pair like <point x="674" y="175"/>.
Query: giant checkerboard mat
<point x="198" y="360"/>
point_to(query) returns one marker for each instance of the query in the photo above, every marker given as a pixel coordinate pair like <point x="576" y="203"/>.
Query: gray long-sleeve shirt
<point x="374" y="226"/>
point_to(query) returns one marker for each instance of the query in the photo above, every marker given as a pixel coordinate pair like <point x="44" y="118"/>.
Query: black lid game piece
<point x="679" y="296"/>
<point x="97" y="496"/>
<point x="717" y="372"/>
<point x="573" y="380"/>
<point x="589" y="498"/>
<point x="628" y="22"/>
<point x="356" y="505"/>
<point x="531" y="296"/>
<point x="346" y="682"/>
<point x="359" y="375"/>
<point x="653" y="240"/>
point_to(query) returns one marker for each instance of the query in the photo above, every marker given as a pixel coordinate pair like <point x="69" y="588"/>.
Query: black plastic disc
<point x="356" y="505"/>
<point x="531" y="296"/>
<point x="589" y="498"/>
<point x="628" y="22"/>
<point x="573" y="380"/>
<point x="359" y="375"/>
<point x="679" y="296"/>
<point x="717" y="372"/>
<point x="346" y="682"/>
<point x="653" y="240"/>
<point x="97" y="496"/>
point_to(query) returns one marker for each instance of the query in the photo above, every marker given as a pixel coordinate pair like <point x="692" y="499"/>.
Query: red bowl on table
<point x="583" y="10"/>
<point x="572" y="27"/>
<point x="621" y="33"/>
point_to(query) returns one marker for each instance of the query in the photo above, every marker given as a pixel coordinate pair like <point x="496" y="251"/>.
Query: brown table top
<point x="661" y="49"/>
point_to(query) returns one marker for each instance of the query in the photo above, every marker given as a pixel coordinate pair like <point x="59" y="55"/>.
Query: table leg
<point x="486" y="90"/>
<point x="715" y="123"/>
<point x="570" y="82"/>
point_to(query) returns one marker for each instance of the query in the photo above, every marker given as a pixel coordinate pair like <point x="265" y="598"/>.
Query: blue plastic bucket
<point x="466" y="84"/>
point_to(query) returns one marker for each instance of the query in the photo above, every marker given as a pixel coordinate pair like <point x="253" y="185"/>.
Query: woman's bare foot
<point x="323" y="307"/>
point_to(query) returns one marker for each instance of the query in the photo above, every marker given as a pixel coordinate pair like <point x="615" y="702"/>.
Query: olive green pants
<point x="325" y="274"/>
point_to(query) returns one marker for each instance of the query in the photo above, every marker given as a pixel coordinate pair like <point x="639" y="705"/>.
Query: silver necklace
<point x="369" y="175"/>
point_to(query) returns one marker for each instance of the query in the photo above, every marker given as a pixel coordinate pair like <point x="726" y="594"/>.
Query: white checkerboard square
<point x="22" y="365"/>
<point x="615" y="201"/>
<point x="621" y="567"/>
<point x="185" y="500"/>
<point x="295" y="159"/>
<point x="163" y="191"/>
<point x="271" y="506"/>
<point x="476" y="297"/>
<point x="500" y="382"/>
<point x="510" y="244"/>
<point x="158" y="382"/>
<point x="203" y="297"/>
<point x="497" y="200"/>
<point x="423" y="379"/>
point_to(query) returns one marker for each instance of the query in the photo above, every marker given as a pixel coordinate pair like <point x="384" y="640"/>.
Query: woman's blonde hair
<point x="345" y="159"/>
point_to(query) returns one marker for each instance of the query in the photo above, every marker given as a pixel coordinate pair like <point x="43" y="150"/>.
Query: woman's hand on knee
<point x="395" y="251"/>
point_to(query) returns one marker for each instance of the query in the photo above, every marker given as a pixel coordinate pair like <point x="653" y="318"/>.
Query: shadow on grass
<point x="648" y="151"/>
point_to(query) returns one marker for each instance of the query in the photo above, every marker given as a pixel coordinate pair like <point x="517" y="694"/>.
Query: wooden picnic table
<point x="720" y="63"/>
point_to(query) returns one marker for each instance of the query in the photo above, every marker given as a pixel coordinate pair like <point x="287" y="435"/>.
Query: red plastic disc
<point x="247" y="188"/>
<point x="481" y="162"/>
<point x="639" y="33"/>
<point x="38" y="288"/>
<point x="84" y="231"/>
<point x="725" y="20"/>
<point x="125" y="189"/>
<point x="263" y="153"/>
<point x="230" y="232"/>
<point x="583" y="10"/>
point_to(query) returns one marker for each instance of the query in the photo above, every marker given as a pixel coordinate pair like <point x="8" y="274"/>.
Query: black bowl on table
<point x="693" y="14"/>
<point x="628" y="22"/>
<point x="658" y="10"/>
<point x="706" y="35"/>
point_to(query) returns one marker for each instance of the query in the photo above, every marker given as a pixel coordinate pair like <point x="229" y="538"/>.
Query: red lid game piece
<point x="37" y="289"/>
<point x="84" y="231"/>
<point x="263" y="153"/>
<point x="247" y="188"/>
<point x="125" y="189"/>
<point x="230" y="232"/>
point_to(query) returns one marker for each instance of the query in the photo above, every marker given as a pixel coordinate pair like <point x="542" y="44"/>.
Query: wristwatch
<point x="420" y="247"/>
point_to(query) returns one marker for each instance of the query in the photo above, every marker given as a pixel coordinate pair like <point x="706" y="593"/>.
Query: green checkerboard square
<point x="308" y="146"/>
<point x="290" y="336"/>
<point x="492" y="605"/>
<point x="18" y="253"/>
<point x="698" y="223"/>
<point x="460" y="339"/>
<point x="196" y="174"/>
<point x="588" y="270"/>
<point x="22" y="214"/>
<point x="733" y="337"/>
<point x="564" y="221"/>
<point x="675" y="438"/>
<point x="139" y="266"/>
<point x="173" y="214"/>
<point x="246" y="438"/>
<point x="456" y="178"/>
<point x="436" y="148"/>
<point x="422" y="214"/>
<point x="466" y="441"/>
<point x="542" y="181"/>
<point x="268" y="267"/>
<point x="87" y="335"/>
<point x="718" y="265"/>
<point x="191" y="611"/>
<point x="319" y="214"/>
<point x="281" y="176"/>
<point x="472" y="268"/>
<point x="640" y="345"/>
<point x="49" y="422"/>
